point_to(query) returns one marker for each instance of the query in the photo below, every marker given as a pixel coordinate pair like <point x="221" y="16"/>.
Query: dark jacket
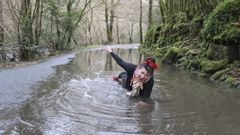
<point x="130" y="68"/>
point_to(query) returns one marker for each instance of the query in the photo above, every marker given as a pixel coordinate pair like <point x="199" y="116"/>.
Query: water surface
<point x="80" y="98"/>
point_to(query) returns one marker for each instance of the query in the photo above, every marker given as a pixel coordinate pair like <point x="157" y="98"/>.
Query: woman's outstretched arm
<point x="125" y="65"/>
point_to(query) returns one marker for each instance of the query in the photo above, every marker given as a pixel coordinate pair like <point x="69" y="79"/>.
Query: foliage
<point x="63" y="23"/>
<point x="151" y="36"/>
<point x="218" y="74"/>
<point x="170" y="8"/>
<point x="29" y="27"/>
<point x="216" y="52"/>
<point x="169" y="33"/>
<point x="170" y="56"/>
<point x="222" y="25"/>
<point x="230" y="81"/>
<point x="44" y="24"/>
<point x="211" y="66"/>
<point x="186" y="41"/>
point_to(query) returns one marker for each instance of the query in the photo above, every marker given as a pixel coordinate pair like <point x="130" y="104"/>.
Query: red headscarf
<point x="150" y="63"/>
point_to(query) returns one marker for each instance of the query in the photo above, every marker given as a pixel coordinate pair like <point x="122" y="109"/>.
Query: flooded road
<point x="80" y="98"/>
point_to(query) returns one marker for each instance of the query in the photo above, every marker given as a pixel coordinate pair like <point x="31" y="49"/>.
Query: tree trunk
<point x="1" y="26"/>
<point x="71" y="25"/>
<point x="90" y="26"/>
<point x="118" y="38"/>
<point x="130" y="33"/>
<point x="26" y="23"/>
<point x="106" y="21"/>
<point x="38" y="15"/>
<point x="59" y="40"/>
<point x="69" y="29"/>
<point x="101" y="32"/>
<point x="111" y="21"/>
<point x="150" y="14"/>
<point x="161" y="6"/>
<point x="140" y="24"/>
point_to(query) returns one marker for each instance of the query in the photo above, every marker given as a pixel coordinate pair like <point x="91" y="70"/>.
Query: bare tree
<point x="117" y="26"/>
<point x="109" y="19"/>
<point x="150" y="19"/>
<point x="140" y="24"/>
<point x="66" y="22"/>
<point x="1" y="24"/>
<point x="99" y="30"/>
<point x="90" y="25"/>
<point x="130" y="32"/>
<point x="38" y="25"/>
<point x="30" y="26"/>
<point x="109" y="36"/>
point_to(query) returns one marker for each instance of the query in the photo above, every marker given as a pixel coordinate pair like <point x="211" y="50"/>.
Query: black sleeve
<point x="125" y="65"/>
<point x="147" y="89"/>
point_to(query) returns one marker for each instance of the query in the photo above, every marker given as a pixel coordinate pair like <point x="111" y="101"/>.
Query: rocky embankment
<point x="206" y="45"/>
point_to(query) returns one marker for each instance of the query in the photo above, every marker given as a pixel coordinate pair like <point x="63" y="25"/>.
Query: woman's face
<point x="142" y="74"/>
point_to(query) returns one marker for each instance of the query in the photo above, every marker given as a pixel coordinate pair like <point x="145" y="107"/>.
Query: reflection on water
<point x="80" y="98"/>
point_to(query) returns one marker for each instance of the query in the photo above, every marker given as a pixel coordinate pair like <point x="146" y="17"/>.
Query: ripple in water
<point x="94" y="106"/>
<point x="80" y="99"/>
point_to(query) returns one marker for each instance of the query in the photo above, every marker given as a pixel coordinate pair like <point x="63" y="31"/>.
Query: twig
<point x="7" y="32"/>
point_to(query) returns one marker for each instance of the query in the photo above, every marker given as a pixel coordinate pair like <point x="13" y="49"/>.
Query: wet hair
<point x="148" y="67"/>
<point x="123" y="75"/>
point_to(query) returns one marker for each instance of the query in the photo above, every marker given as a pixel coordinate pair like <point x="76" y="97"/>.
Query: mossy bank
<point x="208" y="45"/>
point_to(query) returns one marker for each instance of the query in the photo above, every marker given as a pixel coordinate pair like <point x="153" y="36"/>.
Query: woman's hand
<point x="109" y="49"/>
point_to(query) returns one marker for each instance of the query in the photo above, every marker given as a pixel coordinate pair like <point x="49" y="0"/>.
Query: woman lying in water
<point x="138" y="79"/>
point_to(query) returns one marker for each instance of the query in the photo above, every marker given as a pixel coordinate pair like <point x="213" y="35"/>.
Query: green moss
<point x="183" y="61"/>
<point x="216" y="52"/>
<point x="161" y="51"/>
<point x="218" y="74"/>
<point x="230" y="81"/>
<point x="181" y="17"/>
<point x="182" y="41"/>
<point x="220" y="27"/>
<point x="203" y="75"/>
<point x="196" y="25"/>
<point x="166" y="28"/>
<point x="152" y="36"/>
<point x="182" y="28"/>
<point x="168" y="35"/>
<point x="223" y="77"/>
<point x="230" y="35"/>
<point x="193" y="65"/>
<point x="170" y="56"/>
<point x="192" y="52"/>
<point x="211" y="66"/>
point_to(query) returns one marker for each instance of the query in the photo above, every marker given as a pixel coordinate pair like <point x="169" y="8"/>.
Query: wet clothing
<point x="130" y="68"/>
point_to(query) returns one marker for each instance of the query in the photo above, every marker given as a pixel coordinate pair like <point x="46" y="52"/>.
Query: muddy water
<point x="80" y="99"/>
